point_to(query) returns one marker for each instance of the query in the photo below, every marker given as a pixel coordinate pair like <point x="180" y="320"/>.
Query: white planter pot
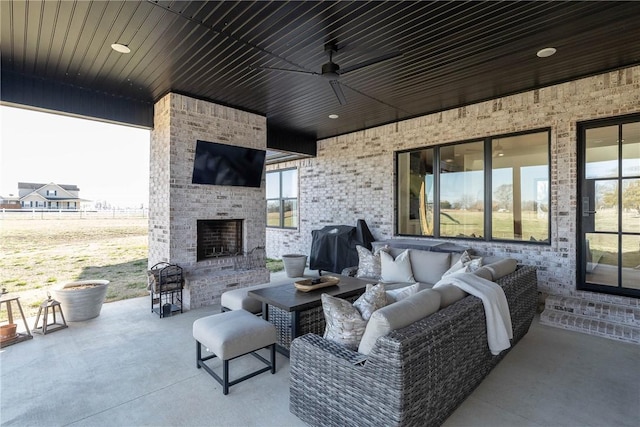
<point x="81" y="302"/>
<point x="294" y="264"/>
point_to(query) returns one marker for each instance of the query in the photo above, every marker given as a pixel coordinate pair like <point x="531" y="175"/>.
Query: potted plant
<point x="82" y="300"/>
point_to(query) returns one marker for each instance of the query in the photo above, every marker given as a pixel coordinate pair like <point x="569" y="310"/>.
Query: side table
<point x="21" y="336"/>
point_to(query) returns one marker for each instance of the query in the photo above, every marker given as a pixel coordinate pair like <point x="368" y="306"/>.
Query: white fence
<point x="72" y="214"/>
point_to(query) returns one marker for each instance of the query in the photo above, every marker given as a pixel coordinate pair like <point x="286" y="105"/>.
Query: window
<point x="52" y="192"/>
<point x="462" y="190"/>
<point x="282" y="198"/>
<point x="496" y="188"/>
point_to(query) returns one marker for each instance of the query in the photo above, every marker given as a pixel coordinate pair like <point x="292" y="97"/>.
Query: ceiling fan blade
<point x="382" y="58"/>
<point x="335" y="85"/>
<point x="284" y="69"/>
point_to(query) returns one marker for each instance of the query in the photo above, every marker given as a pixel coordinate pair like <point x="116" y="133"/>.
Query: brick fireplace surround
<point x="176" y="205"/>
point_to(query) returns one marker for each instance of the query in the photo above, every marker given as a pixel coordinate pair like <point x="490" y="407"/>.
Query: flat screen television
<point x="222" y="164"/>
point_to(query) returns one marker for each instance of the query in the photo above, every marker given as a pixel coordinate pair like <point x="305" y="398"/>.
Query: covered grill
<point x="333" y="248"/>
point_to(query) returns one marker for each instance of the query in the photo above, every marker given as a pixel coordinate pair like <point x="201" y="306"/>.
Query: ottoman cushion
<point x="233" y="333"/>
<point x="238" y="299"/>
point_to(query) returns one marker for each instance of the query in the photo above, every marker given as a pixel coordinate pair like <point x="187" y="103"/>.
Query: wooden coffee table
<point x="296" y="313"/>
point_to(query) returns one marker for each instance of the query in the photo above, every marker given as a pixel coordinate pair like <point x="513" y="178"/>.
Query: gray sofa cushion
<point x="501" y="268"/>
<point x="238" y="299"/>
<point x="449" y="294"/>
<point x="428" y="267"/>
<point x="398" y="315"/>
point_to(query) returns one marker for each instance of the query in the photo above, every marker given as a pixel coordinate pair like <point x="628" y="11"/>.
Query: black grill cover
<point x="333" y="248"/>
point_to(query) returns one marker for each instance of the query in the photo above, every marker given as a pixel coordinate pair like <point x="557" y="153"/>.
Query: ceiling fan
<point x="332" y="71"/>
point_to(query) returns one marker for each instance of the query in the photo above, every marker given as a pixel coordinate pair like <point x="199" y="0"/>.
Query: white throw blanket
<point x="496" y="308"/>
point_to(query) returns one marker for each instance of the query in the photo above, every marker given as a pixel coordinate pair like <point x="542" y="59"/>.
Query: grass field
<point x="39" y="255"/>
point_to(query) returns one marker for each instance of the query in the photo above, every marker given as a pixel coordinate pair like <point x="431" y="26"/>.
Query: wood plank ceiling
<point x="453" y="52"/>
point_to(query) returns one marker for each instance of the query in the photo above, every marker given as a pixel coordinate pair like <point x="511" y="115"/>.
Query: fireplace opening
<point x="218" y="238"/>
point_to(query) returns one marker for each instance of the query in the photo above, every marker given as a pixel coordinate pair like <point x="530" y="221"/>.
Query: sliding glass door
<point x="609" y="206"/>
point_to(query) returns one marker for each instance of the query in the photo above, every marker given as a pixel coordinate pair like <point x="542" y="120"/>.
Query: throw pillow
<point x="396" y="270"/>
<point x="344" y="324"/>
<point x="395" y="295"/>
<point x="465" y="261"/>
<point x="373" y="299"/>
<point x="368" y="262"/>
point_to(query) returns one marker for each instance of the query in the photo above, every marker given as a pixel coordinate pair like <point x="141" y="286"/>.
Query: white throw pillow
<point x="465" y="261"/>
<point x="396" y="270"/>
<point x="395" y="295"/>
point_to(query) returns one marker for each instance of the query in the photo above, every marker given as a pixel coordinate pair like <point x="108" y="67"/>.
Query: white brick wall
<point x="353" y="175"/>
<point x="175" y="204"/>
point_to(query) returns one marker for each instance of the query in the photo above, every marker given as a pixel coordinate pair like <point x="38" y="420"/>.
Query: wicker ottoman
<point x="230" y="335"/>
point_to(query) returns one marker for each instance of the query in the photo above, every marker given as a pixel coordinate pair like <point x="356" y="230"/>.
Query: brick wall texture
<point x="352" y="176"/>
<point x="175" y="204"/>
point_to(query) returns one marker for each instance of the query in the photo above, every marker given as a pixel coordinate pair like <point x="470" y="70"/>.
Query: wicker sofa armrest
<point x="328" y="384"/>
<point x="312" y="345"/>
<point x="350" y="271"/>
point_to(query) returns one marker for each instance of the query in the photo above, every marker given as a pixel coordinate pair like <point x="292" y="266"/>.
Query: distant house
<point x="48" y="196"/>
<point x="9" y="202"/>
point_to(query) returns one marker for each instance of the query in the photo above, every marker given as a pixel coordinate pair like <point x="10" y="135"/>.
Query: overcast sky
<point x="106" y="161"/>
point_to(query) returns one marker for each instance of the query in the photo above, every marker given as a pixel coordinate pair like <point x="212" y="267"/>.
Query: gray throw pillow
<point x="373" y="299"/>
<point x="368" y="263"/>
<point x="344" y="323"/>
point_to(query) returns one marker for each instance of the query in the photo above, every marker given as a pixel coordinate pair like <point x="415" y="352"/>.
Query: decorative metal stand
<point x="166" y="282"/>
<point x="46" y="326"/>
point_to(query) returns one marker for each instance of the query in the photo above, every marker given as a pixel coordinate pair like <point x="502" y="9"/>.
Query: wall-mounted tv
<point x="222" y="164"/>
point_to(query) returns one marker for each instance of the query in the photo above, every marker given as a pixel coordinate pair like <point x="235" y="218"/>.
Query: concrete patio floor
<point x="127" y="367"/>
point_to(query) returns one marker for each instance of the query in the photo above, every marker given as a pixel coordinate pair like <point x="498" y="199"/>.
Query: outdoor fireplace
<point x="218" y="238"/>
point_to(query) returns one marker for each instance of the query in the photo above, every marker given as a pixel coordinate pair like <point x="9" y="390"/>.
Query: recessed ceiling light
<point x="122" y="48"/>
<point x="546" y="52"/>
<point x="333" y="116"/>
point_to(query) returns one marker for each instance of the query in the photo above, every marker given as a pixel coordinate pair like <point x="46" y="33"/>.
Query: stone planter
<point x="294" y="264"/>
<point x="81" y="300"/>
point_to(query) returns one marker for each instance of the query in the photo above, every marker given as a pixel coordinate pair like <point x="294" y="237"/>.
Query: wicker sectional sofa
<point x="414" y="376"/>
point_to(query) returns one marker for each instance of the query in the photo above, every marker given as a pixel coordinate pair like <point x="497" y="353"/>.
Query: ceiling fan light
<point x="546" y="52"/>
<point x="121" y="48"/>
<point x="330" y="70"/>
